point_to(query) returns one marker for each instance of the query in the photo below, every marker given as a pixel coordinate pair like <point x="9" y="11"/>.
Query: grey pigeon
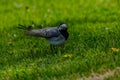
<point x="55" y="35"/>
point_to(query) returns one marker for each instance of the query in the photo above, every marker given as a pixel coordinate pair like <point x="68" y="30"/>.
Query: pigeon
<point x="54" y="35"/>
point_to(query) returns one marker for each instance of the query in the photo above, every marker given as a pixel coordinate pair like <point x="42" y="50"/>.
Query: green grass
<point x="94" y="28"/>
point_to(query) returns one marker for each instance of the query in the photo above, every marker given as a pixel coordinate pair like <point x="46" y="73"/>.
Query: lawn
<point x="93" y="45"/>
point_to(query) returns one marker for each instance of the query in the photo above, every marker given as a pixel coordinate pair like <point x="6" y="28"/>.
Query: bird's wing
<point x="46" y="32"/>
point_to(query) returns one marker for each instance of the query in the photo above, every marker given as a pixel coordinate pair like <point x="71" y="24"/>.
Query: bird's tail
<point x="30" y="27"/>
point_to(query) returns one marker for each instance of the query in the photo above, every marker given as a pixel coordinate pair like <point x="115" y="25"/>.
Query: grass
<point x="93" y="26"/>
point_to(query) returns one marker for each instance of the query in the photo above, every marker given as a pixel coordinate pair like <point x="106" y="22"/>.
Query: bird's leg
<point x="61" y="48"/>
<point x="62" y="45"/>
<point x="53" y="48"/>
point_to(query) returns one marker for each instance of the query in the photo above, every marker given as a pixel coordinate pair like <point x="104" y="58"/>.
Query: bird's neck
<point x="64" y="33"/>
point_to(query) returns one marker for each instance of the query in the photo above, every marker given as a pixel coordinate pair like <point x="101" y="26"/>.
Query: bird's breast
<point x="57" y="40"/>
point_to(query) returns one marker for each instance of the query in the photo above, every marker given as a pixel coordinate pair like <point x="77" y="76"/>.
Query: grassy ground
<point x="93" y="45"/>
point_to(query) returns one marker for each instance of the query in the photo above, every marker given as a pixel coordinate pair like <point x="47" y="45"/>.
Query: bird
<point x="54" y="35"/>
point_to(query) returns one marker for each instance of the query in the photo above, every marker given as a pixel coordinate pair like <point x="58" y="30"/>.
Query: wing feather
<point x="46" y="32"/>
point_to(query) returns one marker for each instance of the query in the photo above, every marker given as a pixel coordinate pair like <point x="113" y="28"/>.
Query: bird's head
<point x="62" y="26"/>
